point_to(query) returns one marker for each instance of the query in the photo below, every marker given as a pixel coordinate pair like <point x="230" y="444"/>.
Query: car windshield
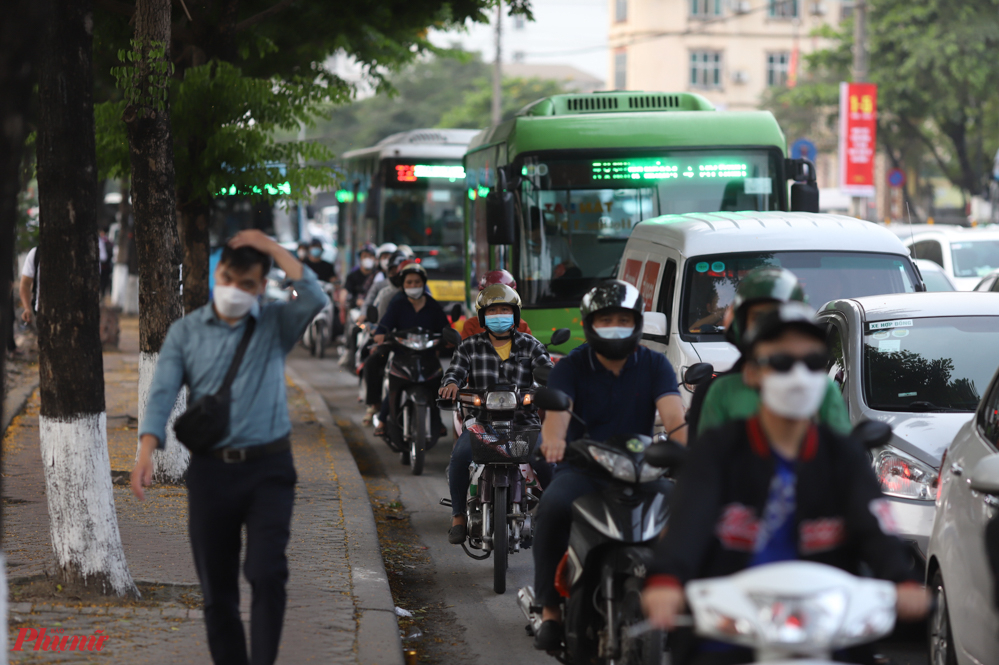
<point x="936" y="281"/>
<point x="929" y="364"/>
<point x="711" y="280"/>
<point x="974" y="258"/>
<point x="578" y="213"/>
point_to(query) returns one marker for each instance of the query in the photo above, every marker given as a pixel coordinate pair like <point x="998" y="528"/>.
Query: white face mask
<point x="384" y="263"/>
<point x="796" y="394"/>
<point x="232" y="302"/>
<point x="367" y="263"/>
<point x="414" y="293"/>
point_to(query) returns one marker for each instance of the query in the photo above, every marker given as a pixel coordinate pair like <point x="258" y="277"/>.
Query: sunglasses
<point x="783" y="362"/>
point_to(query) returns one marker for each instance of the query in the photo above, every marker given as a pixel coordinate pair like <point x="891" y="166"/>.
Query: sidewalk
<point x="339" y="607"/>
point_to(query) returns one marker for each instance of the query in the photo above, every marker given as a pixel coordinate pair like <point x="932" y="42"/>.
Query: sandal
<point x="369" y="416"/>
<point x="380" y="430"/>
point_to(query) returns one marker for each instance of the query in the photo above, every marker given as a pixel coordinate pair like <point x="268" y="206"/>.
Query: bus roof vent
<point x="426" y="137"/>
<point x="616" y="102"/>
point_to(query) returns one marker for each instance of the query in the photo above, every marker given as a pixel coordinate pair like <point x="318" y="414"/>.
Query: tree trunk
<point x="72" y="422"/>
<point x="23" y="21"/>
<point x="194" y="218"/>
<point x="155" y="208"/>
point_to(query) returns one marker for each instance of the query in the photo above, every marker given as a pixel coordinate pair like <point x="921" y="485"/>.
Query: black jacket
<point x="842" y="517"/>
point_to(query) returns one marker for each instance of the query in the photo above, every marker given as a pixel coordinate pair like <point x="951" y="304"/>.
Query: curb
<point x="378" y="641"/>
<point x="15" y="401"/>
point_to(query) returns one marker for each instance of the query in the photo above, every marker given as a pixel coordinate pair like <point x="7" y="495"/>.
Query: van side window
<point x="928" y="249"/>
<point x="666" y="289"/>
<point x="988" y="420"/>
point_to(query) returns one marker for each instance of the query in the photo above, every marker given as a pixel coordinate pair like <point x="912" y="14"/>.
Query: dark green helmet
<point x="762" y="285"/>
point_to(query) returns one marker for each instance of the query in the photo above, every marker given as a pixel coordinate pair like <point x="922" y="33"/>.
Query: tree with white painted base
<point x="73" y="422"/>
<point x="154" y="205"/>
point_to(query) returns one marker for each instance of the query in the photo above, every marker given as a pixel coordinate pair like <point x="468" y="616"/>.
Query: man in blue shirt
<point x="616" y="387"/>
<point x="248" y="477"/>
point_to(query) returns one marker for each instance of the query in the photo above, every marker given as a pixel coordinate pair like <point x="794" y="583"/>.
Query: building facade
<point x="729" y="51"/>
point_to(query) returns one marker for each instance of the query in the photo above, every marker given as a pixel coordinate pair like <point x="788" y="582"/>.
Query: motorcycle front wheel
<point x="320" y="338"/>
<point x="418" y="439"/>
<point x="501" y="538"/>
<point x="648" y="648"/>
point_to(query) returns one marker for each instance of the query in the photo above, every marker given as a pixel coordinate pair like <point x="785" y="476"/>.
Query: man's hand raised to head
<point x="261" y="242"/>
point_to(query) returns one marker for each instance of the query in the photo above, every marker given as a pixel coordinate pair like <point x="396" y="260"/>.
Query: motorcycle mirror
<point x="550" y="399"/>
<point x="542" y="373"/>
<point x="698" y="372"/>
<point x="872" y="433"/>
<point x="451" y="336"/>
<point x="456" y="312"/>
<point x="668" y="454"/>
<point x="446" y="404"/>
<point x="371" y="314"/>
<point x="560" y="336"/>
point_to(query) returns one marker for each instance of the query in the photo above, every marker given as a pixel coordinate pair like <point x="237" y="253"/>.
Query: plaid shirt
<point x="477" y="361"/>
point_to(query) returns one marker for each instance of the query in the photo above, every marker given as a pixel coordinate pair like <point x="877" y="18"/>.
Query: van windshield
<point x="710" y="281"/>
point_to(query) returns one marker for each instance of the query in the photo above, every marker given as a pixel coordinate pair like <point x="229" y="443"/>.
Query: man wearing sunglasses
<point x="775" y="487"/>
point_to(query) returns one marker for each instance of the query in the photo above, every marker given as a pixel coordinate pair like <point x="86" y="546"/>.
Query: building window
<point x="705" y="69"/>
<point x="783" y="9"/>
<point x="702" y="8"/>
<point x="518" y="56"/>
<point x="777" y="66"/>
<point x="621" y="11"/>
<point x="621" y="70"/>
<point x="845" y="10"/>
<point x="518" y="22"/>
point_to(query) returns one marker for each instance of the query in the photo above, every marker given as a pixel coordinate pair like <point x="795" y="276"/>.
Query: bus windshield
<point x="710" y="281"/>
<point x="578" y="213"/>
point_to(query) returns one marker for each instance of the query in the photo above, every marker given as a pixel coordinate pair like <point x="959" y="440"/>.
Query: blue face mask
<point x="498" y="323"/>
<point x="615" y="332"/>
<point x="316" y="251"/>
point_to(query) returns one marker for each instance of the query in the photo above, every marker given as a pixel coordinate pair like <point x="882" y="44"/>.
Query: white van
<point x="687" y="268"/>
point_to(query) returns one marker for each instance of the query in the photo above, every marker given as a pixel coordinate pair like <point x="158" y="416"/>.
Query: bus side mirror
<point x="804" y="197"/>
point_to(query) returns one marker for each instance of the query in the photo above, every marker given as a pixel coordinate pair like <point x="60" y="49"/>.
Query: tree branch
<point x="257" y="18"/>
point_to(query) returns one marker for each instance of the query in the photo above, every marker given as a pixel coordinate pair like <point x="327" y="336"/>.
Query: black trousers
<point x="374" y="374"/>
<point x="222" y="497"/>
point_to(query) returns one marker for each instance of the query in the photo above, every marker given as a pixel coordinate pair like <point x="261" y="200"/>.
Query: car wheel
<point x="941" y="640"/>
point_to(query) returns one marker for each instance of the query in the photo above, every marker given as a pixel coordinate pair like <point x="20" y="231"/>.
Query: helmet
<point x="497" y="277"/>
<point x="407" y="250"/>
<point x="762" y="285"/>
<point x="612" y="295"/>
<point x="395" y="261"/>
<point x="409" y="266"/>
<point x="369" y="248"/>
<point x="387" y="248"/>
<point x="497" y="294"/>
<point x="788" y="315"/>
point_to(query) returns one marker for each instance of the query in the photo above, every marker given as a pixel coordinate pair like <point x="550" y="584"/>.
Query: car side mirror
<point x="654" y="323"/>
<point x="550" y="399"/>
<point x="371" y="314"/>
<point x="541" y="374"/>
<point x="871" y="433"/>
<point x="697" y="373"/>
<point x="985" y="475"/>
<point x="667" y="454"/>
<point x="560" y="336"/>
<point x="451" y="336"/>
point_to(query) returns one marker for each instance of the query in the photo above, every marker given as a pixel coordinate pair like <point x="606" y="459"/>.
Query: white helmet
<point x="387" y="248"/>
<point x="407" y="250"/>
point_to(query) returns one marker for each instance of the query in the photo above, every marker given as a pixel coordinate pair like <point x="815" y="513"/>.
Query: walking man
<point x="248" y="477"/>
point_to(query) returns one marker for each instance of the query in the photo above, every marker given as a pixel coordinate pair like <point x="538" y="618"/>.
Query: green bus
<point x="409" y="190"/>
<point x="554" y="193"/>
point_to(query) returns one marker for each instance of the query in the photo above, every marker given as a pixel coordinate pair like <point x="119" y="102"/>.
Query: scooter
<point x="610" y="546"/>
<point x="319" y="335"/>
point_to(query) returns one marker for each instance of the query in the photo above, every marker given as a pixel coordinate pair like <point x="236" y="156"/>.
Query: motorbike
<point x="322" y="330"/>
<point x="417" y="371"/>
<point x="503" y="489"/>
<point x="611" y="544"/>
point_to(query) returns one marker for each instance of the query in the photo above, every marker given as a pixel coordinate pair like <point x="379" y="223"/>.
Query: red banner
<point x="632" y="269"/>
<point x="649" y="280"/>
<point x="858" y="112"/>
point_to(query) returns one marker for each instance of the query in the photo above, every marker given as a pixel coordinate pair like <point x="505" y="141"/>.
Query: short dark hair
<point x="244" y="258"/>
<point x="315" y="242"/>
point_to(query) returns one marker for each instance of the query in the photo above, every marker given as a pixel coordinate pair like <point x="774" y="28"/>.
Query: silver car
<point x="964" y="627"/>
<point x="919" y="362"/>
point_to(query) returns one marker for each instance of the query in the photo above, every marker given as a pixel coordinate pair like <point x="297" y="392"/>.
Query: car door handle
<point x="957" y="469"/>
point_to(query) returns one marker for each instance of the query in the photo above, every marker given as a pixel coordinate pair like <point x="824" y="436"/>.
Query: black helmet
<point x="791" y="315"/>
<point x="396" y="260"/>
<point x="497" y="294"/>
<point x="369" y="248"/>
<point x="768" y="284"/>
<point x="612" y="295"/>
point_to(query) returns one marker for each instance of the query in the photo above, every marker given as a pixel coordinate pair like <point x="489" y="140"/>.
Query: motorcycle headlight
<point x="650" y="473"/>
<point x="902" y="475"/>
<point x="416" y="342"/>
<point x="618" y="465"/>
<point x="807" y="620"/>
<point x="501" y="401"/>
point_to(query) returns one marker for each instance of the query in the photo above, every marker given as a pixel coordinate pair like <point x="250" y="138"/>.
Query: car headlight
<point x="620" y="466"/>
<point x="902" y="475"/>
<point x="650" y="473"/>
<point x="501" y="401"/>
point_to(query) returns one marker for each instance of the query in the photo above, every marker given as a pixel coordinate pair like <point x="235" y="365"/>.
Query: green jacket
<point x="730" y="399"/>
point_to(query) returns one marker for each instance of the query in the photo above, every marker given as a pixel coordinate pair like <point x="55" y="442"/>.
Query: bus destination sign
<point x="414" y="172"/>
<point x="658" y="169"/>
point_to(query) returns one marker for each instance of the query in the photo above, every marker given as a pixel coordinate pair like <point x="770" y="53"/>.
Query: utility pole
<point x="859" y="74"/>
<point x="498" y="68"/>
